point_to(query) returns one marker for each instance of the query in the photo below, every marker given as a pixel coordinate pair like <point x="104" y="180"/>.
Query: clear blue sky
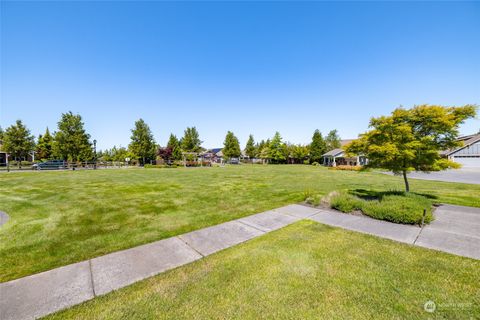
<point x="251" y="67"/>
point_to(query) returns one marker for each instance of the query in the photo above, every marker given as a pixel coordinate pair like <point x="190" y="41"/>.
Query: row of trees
<point x="273" y="150"/>
<point x="143" y="147"/>
<point x="71" y="142"/>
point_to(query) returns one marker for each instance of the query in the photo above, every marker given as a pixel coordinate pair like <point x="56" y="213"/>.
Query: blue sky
<point x="249" y="67"/>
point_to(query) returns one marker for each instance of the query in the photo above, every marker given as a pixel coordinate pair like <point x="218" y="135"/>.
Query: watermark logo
<point x="429" y="306"/>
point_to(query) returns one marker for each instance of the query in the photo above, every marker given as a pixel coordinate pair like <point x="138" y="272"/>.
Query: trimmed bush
<point x="393" y="206"/>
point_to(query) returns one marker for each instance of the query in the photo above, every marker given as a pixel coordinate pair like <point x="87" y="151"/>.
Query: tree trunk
<point x="407" y="187"/>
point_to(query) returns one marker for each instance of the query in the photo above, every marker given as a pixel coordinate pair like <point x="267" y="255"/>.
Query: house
<point x="214" y="155"/>
<point x="338" y="157"/>
<point x="468" y="155"/>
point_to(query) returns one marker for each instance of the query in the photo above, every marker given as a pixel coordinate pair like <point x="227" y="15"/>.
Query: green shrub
<point x="159" y="166"/>
<point x="347" y="168"/>
<point x="345" y="202"/>
<point x="393" y="206"/>
<point x="315" y="163"/>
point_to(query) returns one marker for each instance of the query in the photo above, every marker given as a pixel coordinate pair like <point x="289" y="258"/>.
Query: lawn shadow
<point x="378" y="195"/>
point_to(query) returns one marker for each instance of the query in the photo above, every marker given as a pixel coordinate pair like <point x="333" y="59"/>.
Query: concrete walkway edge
<point x="40" y="294"/>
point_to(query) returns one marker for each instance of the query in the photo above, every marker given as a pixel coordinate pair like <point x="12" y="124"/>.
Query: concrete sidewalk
<point x="47" y="292"/>
<point x="455" y="230"/>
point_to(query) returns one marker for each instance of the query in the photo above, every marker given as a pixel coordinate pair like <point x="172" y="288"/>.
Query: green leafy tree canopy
<point x="277" y="149"/>
<point x="71" y="142"/>
<point x="45" y="146"/>
<point x="318" y="147"/>
<point x="191" y="140"/>
<point x="332" y="140"/>
<point x="250" y="149"/>
<point x="18" y="141"/>
<point x="174" y="144"/>
<point x="231" y="146"/>
<point x="412" y="139"/>
<point x="142" y="145"/>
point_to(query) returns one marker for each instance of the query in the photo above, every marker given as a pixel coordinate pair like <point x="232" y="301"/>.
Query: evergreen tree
<point x="231" y="146"/>
<point x="71" y="142"/>
<point x="250" y="149"/>
<point x="45" y="146"/>
<point x="318" y="147"/>
<point x="332" y="140"/>
<point x="191" y="141"/>
<point x="142" y="144"/>
<point x="18" y="141"/>
<point x="174" y="144"/>
<point x="277" y="149"/>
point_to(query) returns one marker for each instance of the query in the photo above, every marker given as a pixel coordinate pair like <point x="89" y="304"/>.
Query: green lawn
<point x="59" y="218"/>
<point x="304" y="271"/>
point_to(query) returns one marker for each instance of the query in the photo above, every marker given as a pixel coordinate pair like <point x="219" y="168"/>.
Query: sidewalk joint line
<point x="91" y="277"/>
<point x="249" y="225"/>
<point x="188" y="245"/>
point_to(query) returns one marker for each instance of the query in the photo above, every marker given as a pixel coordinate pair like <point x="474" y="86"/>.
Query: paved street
<point x="464" y="175"/>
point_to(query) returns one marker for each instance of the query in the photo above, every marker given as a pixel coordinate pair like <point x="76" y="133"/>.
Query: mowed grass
<point x="58" y="218"/>
<point x="304" y="271"/>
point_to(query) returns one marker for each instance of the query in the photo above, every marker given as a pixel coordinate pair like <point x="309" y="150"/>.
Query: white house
<point x="338" y="157"/>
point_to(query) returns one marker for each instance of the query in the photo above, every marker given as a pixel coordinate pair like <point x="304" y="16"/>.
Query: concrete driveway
<point x="456" y="229"/>
<point x="464" y="175"/>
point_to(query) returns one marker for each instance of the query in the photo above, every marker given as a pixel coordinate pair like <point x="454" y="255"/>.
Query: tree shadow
<point x="378" y="195"/>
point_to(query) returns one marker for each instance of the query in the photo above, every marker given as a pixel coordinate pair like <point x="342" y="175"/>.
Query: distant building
<point x="468" y="155"/>
<point x="214" y="155"/>
<point x="337" y="157"/>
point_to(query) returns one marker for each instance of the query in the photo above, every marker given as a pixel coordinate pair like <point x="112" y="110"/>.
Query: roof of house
<point x="215" y="150"/>
<point x="333" y="153"/>
<point x="467" y="141"/>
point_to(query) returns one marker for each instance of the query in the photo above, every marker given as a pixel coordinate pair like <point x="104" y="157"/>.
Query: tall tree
<point x="174" y="144"/>
<point x="332" y="140"/>
<point x="45" y="146"/>
<point x="412" y="139"/>
<point x="231" y="146"/>
<point x="299" y="153"/>
<point x="71" y="142"/>
<point x="191" y="141"/>
<point x="1" y="135"/>
<point x="250" y="149"/>
<point x="277" y="149"/>
<point x="318" y="147"/>
<point x="18" y="141"/>
<point x="142" y="144"/>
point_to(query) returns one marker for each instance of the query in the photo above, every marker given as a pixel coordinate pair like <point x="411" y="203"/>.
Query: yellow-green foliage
<point x="411" y="139"/>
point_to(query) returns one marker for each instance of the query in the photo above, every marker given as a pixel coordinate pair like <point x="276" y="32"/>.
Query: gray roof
<point x="467" y="141"/>
<point x="334" y="153"/>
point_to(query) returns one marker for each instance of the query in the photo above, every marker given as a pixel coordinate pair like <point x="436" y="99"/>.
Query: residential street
<point x="463" y="175"/>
